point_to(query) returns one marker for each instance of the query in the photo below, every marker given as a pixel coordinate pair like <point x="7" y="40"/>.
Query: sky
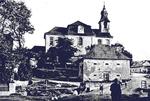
<point x="130" y="21"/>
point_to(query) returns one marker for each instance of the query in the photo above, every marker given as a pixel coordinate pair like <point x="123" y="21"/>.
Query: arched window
<point x="80" y="42"/>
<point x="80" y="29"/>
<point x="99" y="41"/>
<point x="51" y="41"/>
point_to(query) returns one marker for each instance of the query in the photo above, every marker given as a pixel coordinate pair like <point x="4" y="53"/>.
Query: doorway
<point x="106" y="76"/>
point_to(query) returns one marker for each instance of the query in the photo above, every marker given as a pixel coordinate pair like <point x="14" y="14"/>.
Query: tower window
<point x="105" y="24"/>
<point x="80" y="29"/>
<point x="80" y="42"/>
<point x="51" y="41"/>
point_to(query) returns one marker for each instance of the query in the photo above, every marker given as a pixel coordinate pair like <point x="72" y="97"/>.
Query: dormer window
<point x="80" y="29"/>
<point x="51" y="41"/>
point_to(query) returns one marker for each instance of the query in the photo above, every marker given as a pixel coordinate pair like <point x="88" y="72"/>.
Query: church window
<point x="80" y="29"/>
<point x="51" y="41"/>
<point x="105" y="24"/>
<point x="80" y="42"/>
<point x="99" y="41"/>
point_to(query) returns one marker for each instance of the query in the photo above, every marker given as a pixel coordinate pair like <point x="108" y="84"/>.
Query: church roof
<point x="58" y="31"/>
<point x="104" y="15"/>
<point x="77" y="23"/>
<point x="105" y="52"/>
<point x="72" y="29"/>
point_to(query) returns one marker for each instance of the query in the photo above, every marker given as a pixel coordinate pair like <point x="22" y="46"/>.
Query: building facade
<point x="82" y="35"/>
<point x="105" y="63"/>
<point x="101" y="60"/>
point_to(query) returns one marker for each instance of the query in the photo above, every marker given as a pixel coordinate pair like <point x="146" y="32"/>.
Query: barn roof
<point x="105" y="52"/>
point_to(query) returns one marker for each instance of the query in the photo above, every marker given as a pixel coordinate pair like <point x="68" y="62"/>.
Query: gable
<point x="146" y="63"/>
<point x="79" y="28"/>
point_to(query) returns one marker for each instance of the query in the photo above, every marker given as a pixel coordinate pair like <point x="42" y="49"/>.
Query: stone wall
<point x="12" y="89"/>
<point x="99" y="70"/>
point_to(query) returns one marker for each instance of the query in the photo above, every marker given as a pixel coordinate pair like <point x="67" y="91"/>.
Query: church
<point x="104" y="61"/>
<point x="81" y="34"/>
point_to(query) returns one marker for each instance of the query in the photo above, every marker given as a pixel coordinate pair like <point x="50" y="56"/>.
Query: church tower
<point x="104" y="21"/>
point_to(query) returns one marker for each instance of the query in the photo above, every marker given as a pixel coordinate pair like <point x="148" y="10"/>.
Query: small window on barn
<point x="95" y="75"/>
<point x="95" y="63"/>
<point x="118" y="64"/>
<point x="106" y="64"/>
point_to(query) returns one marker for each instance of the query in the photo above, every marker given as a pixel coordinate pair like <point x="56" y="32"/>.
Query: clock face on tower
<point x="80" y="29"/>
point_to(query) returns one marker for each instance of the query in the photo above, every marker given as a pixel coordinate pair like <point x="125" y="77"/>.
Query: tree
<point x="14" y="23"/>
<point x="18" y="58"/>
<point x="63" y="51"/>
<point x="89" y="48"/>
<point x="128" y="54"/>
<point x="6" y="43"/>
<point x="6" y="60"/>
<point x="25" y="71"/>
<point x="14" y="20"/>
<point x="22" y="59"/>
<point x="5" y="69"/>
<point x="52" y="52"/>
